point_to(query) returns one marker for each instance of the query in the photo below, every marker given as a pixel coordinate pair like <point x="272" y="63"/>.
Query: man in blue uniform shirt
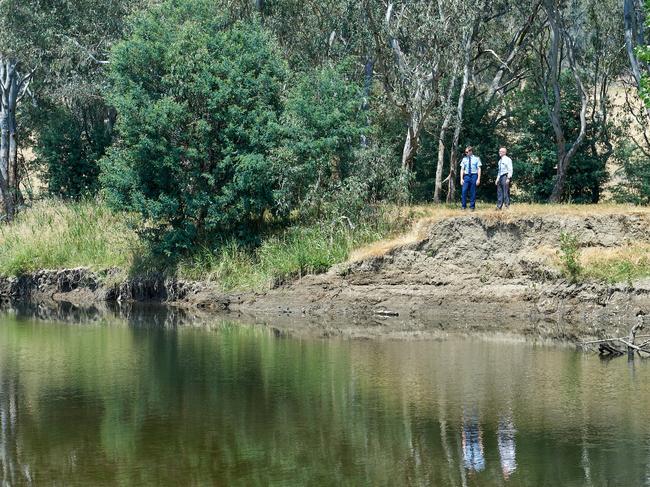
<point x="470" y="177"/>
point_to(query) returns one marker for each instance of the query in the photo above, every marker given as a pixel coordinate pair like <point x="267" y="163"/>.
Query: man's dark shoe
<point x="472" y="209"/>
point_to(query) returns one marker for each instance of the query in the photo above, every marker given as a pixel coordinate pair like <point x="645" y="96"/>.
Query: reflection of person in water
<point x="472" y="438"/>
<point x="506" y="443"/>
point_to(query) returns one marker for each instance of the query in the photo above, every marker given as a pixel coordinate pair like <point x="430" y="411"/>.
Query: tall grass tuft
<point x="622" y="264"/>
<point x="291" y="254"/>
<point x="55" y="235"/>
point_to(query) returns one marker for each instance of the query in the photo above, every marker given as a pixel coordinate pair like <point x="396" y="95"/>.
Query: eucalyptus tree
<point x="491" y="65"/>
<point x="49" y="49"/>
<point x="72" y="123"/>
<point x="633" y="150"/>
<point x="19" y="57"/>
<point x="417" y="45"/>
<point x="311" y="33"/>
<point x="573" y="55"/>
<point x="606" y="66"/>
<point x="559" y="48"/>
<point x="468" y="62"/>
<point x="634" y="17"/>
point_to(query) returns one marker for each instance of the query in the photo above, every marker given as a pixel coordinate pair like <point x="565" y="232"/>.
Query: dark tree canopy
<point x="199" y="100"/>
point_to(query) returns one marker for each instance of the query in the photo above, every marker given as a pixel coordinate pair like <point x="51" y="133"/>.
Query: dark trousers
<point x="469" y="184"/>
<point x="503" y="191"/>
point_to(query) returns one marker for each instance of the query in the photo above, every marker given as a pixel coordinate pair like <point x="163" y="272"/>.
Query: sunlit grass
<point x="55" y="235"/>
<point x="291" y="254"/>
<point x="619" y="264"/>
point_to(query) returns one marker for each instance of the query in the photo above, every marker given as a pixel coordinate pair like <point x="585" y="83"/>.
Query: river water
<point x="113" y="403"/>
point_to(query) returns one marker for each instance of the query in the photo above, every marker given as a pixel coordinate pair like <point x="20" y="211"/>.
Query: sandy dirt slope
<point x="470" y="267"/>
<point x="480" y="271"/>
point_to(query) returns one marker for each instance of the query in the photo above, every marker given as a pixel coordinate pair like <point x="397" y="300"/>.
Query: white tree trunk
<point x="12" y="86"/>
<point x="441" y="143"/>
<point x="5" y="116"/>
<point x="411" y="144"/>
<point x="451" y="193"/>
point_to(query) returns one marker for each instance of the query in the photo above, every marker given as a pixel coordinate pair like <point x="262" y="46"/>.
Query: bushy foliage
<point x="323" y="127"/>
<point x="569" y="254"/>
<point x="643" y="53"/>
<point x="331" y="161"/>
<point x="68" y="146"/>
<point x="199" y="99"/>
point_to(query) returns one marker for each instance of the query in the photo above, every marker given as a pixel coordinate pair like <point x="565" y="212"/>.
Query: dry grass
<point x="518" y="211"/>
<point x="423" y="216"/>
<point x="636" y="253"/>
<point x="618" y="264"/>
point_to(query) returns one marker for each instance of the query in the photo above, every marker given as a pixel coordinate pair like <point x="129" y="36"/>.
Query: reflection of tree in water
<point x="155" y="404"/>
<point x="15" y="470"/>
<point x="137" y="315"/>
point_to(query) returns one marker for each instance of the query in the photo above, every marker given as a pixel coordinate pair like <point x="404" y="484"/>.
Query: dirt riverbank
<point x="468" y="272"/>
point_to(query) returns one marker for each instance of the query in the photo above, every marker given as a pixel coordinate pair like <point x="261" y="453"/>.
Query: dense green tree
<point x="199" y="99"/>
<point x="323" y="129"/>
<point x="70" y="122"/>
<point x="69" y="144"/>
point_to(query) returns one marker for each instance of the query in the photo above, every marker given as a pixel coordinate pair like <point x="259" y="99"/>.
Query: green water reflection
<point x="113" y="404"/>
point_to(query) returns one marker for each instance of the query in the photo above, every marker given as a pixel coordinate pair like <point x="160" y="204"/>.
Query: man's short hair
<point x="469" y="148"/>
<point x="503" y="148"/>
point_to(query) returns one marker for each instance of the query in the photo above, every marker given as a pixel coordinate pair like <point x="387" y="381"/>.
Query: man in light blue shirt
<point x="503" y="179"/>
<point x="470" y="177"/>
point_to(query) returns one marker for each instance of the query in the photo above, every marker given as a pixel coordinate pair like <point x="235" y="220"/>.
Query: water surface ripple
<point x="107" y="403"/>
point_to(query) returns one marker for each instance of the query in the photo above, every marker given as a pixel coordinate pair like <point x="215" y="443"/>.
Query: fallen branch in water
<point x="616" y="346"/>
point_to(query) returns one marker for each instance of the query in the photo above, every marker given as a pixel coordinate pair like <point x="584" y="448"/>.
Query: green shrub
<point x="198" y="100"/>
<point x="68" y="146"/>
<point x="570" y="256"/>
<point x="323" y="126"/>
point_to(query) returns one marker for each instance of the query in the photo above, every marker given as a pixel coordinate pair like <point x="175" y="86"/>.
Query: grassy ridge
<point x="55" y="235"/>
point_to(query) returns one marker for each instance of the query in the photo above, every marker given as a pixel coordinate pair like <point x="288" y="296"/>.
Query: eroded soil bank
<point x="468" y="272"/>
